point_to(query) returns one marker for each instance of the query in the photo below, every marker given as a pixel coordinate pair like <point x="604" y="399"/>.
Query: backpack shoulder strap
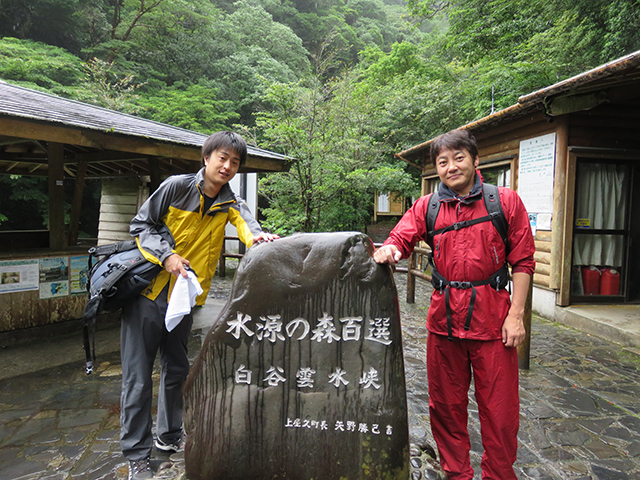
<point x="432" y="213"/>
<point x="494" y="209"/>
<point x="112" y="248"/>
<point x="491" y="197"/>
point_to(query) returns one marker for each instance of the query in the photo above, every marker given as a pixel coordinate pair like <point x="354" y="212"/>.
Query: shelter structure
<point x="572" y="151"/>
<point x="42" y="273"/>
<point x="389" y="204"/>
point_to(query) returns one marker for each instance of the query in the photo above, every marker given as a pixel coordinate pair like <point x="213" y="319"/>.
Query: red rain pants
<point x="495" y="373"/>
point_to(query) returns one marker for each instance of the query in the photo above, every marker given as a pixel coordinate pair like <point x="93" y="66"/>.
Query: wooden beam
<point x="111" y="142"/>
<point x="562" y="221"/>
<point x="567" y="234"/>
<point x="263" y="165"/>
<point x="154" y="174"/>
<point x="12" y="166"/>
<point x="95" y="139"/>
<point x="128" y="167"/>
<point x="57" y="238"/>
<point x="76" y="206"/>
<point x="106" y="156"/>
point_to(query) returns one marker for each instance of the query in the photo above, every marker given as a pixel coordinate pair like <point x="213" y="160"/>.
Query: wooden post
<point x="222" y="269"/>
<point x="411" y="279"/>
<point x="560" y="266"/>
<point x="154" y="174"/>
<point x="74" y="222"/>
<point x="57" y="239"/>
<point x="524" y="348"/>
<point x="243" y="194"/>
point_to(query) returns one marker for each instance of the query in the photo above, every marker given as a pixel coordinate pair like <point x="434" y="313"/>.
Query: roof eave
<point x="619" y="65"/>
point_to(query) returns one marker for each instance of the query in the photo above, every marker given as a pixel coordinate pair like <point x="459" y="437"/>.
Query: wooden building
<point x="42" y="272"/>
<point x="388" y="205"/>
<point x="572" y="151"/>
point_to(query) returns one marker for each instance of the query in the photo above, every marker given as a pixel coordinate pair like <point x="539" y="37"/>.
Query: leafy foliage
<point x="24" y="202"/>
<point x="33" y="63"/>
<point x="337" y="169"/>
<point x="48" y="21"/>
<point x="341" y="85"/>
<point x="194" y="107"/>
<point x="107" y="88"/>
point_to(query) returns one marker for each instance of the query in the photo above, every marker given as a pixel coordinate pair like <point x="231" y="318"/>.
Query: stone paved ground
<point x="580" y="410"/>
<point x="580" y="401"/>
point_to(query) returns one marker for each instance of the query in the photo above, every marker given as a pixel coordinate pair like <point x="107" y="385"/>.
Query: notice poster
<point x="18" y="275"/>
<point x="535" y="180"/>
<point x="54" y="277"/>
<point x="78" y="272"/>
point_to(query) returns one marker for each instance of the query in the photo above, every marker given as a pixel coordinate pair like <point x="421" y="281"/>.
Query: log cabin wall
<point x="503" y="142"/>
<point x="119" y="203"/>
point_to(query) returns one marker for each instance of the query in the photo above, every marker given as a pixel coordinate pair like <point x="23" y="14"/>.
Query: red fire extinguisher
<point x="591" y="280"/>
<point x="610" y="284"/>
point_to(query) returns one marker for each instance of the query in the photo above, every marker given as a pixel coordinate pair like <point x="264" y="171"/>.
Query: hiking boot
<point x="167" y="447"/>
<point x="140" y="469"/>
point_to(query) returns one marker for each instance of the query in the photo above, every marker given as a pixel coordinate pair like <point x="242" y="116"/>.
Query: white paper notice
<point x="535" y="179"/>
<point x="19" y="276"/>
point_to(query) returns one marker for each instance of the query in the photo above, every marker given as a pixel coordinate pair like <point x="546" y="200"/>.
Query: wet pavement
<point x="580" y="407"/>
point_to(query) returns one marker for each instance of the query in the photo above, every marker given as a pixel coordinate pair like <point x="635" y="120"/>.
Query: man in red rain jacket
<point x="484" y="340"/>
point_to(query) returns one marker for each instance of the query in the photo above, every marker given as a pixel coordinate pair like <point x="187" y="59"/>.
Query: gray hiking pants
<point x="143" y="332"/>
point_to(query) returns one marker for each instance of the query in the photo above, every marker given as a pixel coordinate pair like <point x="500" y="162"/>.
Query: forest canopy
<point x="341" y="85"/>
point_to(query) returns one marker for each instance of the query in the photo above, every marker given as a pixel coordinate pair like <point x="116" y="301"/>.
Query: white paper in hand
<point x="183" y="298"/>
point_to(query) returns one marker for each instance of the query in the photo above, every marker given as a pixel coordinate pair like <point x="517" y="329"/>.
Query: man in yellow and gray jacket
<point x="195" y="208"/>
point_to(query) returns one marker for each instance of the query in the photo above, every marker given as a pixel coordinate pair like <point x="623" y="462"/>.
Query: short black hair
<point x="225" y="139"/>
<point x="452" y="140"/>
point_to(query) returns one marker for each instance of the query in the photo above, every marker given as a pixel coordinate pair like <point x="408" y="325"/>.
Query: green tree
<point x="38" y="65"/>
<point x="103" y="86"/>
<point x="257" y="50"/>
<point x="48" y="21"/>
<point x="24" y="203"/>
<point x="177" y="42"/>
<point x="416" y="95"/>
<point x="196" y="107"/>
<point x="574" y="34"/>
<point x="337" y="169"/>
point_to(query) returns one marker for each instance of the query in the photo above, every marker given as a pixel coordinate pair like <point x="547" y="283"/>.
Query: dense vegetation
<point x="340" y="85"/>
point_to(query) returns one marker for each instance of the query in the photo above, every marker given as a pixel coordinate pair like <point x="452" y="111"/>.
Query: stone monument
<point x="301" y="377"/>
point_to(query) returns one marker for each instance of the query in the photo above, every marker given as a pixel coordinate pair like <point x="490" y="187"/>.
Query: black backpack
<point x="499" y="279"/>
<point x="120" y="274"/>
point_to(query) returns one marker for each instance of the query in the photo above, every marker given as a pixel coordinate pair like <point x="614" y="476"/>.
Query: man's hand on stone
<point x="175" y="265"/>
<point x="387" y="254"/>
<point x="264" y="237"/>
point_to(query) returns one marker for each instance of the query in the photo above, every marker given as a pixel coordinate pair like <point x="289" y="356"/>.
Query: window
<point x="500" y="175"/>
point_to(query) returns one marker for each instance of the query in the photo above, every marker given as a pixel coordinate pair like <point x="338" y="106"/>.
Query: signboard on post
<point x="535" y="177"/>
